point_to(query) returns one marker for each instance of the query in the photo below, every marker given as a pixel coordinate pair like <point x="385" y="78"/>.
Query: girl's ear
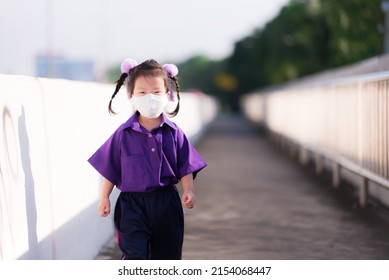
<point x="170" y="96"/>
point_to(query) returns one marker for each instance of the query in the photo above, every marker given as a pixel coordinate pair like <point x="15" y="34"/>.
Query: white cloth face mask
<point x="150" y="105"/>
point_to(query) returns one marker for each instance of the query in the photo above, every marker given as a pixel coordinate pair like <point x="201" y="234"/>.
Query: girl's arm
<point x="188" y="198"/>
<point x="105" y="205"/>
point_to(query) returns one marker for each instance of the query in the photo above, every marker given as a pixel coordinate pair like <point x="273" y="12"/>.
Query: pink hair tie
<point x="128" y="64"/>
<point x="171" y="69"/>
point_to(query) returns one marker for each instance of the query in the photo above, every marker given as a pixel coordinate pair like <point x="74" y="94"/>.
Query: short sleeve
<point x="106" y="160"/>
<point x="188" y="159"/>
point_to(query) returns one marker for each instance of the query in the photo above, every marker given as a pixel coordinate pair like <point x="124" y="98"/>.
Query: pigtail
<point x="177" y="86"/>
<point x="126" y="67"/>
<point x="119" y="84"/>
<point x="172" y="71"/>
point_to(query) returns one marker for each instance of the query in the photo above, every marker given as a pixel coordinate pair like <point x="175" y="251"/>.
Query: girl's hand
<point x="104" y="207"/>
<point x="188" y="199"/>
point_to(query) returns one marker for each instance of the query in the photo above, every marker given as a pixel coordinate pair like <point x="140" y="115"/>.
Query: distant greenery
<point x="307" y="36"/>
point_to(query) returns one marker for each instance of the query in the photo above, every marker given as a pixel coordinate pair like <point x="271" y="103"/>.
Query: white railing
<point x="344" y="122"/>
<point x="48" y="191"/>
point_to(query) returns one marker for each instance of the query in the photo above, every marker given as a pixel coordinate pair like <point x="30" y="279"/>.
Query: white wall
<point x="48" y="191"/>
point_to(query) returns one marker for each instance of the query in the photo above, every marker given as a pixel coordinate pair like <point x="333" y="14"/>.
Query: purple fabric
<point x="136" y="160"/>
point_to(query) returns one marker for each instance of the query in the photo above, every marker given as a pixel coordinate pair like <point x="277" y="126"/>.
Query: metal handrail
<point x="345" y="120"/>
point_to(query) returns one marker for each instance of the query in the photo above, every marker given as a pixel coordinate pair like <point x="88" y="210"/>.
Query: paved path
<point x="255" y="203"/>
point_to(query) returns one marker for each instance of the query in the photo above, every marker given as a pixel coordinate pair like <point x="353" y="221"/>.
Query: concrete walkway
<point x="255" y="203"/>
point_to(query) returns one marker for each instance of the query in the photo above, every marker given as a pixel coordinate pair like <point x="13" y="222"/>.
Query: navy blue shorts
<point x="150" y="225"/>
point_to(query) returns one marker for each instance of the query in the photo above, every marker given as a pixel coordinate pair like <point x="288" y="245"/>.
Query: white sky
<point x="107" y="31"/>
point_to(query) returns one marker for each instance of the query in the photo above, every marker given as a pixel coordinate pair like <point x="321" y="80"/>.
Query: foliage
<point x="306" y="37"/>
<point x="356" y="29"/>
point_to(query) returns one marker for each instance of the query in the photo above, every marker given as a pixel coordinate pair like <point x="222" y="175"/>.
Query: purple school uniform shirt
<point x="137" y="160"/>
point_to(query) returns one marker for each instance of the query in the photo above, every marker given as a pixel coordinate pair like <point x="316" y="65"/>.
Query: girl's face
<point x="149" y="84"/>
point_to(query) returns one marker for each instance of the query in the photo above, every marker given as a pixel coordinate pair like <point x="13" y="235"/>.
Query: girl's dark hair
<point x="147" y="68"/>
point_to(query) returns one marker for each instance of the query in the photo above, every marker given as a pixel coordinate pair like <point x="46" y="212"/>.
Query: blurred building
<point x="63" y="68"/>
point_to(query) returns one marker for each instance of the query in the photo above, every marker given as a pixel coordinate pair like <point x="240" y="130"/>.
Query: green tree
<point x="291" y="45"/>
<point x="307" y="36"/>
<point x="356" y="29"/>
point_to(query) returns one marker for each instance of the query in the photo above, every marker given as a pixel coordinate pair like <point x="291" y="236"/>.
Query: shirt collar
<point x="165" y="120"/>
<point x="133" y="122"/>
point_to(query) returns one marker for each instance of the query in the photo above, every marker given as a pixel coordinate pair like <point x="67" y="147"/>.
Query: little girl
<point x="145" y="158"/>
